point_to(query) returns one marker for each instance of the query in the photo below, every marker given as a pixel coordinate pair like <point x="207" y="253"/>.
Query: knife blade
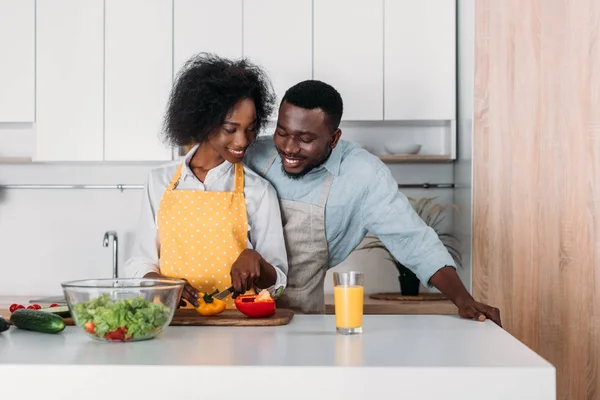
<point x="224" y="293"/>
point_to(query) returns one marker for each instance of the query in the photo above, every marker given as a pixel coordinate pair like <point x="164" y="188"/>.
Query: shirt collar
<point x="216" y="172"/>
<point x="333" y="161"/>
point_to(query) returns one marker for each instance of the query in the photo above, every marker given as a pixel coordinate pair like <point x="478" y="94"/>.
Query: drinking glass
<point x="348" y="293"/>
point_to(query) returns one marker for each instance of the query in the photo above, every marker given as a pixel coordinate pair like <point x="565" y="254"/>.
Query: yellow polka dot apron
<point x="202" y="234"/>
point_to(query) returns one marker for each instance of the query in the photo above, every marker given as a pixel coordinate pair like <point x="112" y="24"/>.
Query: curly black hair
<point x="311" y="94"/>
<point x="206" y="90"/>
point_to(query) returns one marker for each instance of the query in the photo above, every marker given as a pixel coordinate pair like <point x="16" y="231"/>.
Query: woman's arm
<point x="145" y="253"/>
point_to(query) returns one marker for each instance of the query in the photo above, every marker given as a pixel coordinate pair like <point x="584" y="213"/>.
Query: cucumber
<point x="34" y="320"/>
<point x="62" y="311"/>
<point x="3" y="325"/>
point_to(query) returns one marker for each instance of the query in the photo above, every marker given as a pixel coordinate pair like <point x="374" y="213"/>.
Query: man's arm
<point x="388" y="214"/>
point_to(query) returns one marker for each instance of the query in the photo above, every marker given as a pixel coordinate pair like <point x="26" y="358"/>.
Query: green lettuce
<point x="138" y="316"/>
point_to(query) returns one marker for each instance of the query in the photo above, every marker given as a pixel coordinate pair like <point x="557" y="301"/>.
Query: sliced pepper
<point x="209" y="305"/>
<point x="256" y="305"/>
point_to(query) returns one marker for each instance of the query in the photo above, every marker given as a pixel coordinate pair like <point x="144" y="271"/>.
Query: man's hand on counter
<point x="446" y="280"/>
<point x="475" y="310"/>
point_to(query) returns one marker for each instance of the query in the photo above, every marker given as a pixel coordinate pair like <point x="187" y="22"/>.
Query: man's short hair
<point x="312" y="94"/>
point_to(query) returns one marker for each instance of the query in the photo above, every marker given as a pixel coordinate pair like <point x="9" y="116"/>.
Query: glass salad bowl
<point x="123" y="309"/>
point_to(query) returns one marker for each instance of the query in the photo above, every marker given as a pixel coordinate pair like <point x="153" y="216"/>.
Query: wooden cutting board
<point x="226" y="318"/>
<point x="230" y="318"/>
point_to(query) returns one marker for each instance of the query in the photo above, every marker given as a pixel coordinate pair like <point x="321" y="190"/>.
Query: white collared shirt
<point x="265" y="229"/>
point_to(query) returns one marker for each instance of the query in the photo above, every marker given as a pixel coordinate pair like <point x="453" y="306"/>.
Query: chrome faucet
<point x="115" y="240"/>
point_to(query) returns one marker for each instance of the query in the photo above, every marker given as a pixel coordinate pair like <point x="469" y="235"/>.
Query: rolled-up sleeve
<point x="266" y="237"/>
<point x="145" y="252"/>
<point x="388" y="214"/>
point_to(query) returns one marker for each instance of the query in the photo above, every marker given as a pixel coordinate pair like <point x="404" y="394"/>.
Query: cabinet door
<point x="420" y="59"/>
<point x="138" y="77"/>
<point x="278" y="37"/>
<point x="69" y="77"/>
<point x="17" y="47"/>
<point x="207" y="26"/>
<point x="348" y="54"/>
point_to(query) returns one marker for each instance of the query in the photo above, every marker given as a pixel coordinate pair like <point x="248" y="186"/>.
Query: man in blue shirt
<point x="332" y="193"/>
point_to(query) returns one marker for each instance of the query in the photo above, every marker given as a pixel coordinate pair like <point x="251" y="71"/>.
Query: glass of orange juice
<point x="348" y="293"/>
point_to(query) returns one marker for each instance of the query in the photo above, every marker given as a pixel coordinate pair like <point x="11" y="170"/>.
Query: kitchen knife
<point x="225" y="293"/>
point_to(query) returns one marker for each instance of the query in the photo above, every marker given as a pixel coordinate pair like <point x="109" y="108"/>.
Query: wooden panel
<point x="138" y="78"/>
<point x="207" y="26"/>
<point x="420" y="60"/>
<point x="69" y="73"/>
<point x="348" y="54"/>
<point x="17" y="47"/>
<point x="536" y="248"/>
<point x="284" y="45"/>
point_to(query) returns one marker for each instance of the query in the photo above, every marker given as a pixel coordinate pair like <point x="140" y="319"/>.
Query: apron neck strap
<point x="175" y="179"/>
<point x="270" y="161"/>
<point x="239" y="177"/>
<point x="325" y="190"/>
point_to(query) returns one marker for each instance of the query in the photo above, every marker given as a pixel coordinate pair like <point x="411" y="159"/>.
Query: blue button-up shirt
<point x="364" y="198"/>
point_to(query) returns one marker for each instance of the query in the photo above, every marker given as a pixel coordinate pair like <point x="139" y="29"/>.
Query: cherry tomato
<point x="53" y="305"/>
<point x="31" y="307"/>
<point x="19" y="307"/>
<point x="89" y="327"/>
<point x="117" y="334"/>
<point x="13" y="307"/>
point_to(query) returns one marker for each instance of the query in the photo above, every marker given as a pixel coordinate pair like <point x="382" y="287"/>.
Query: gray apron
<point x="307" y="250"/>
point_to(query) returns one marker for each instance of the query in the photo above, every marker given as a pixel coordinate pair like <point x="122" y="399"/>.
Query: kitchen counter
<point x="405" y="356"/>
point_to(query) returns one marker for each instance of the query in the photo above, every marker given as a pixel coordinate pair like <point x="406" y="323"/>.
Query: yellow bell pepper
<point x="209" y="305"/>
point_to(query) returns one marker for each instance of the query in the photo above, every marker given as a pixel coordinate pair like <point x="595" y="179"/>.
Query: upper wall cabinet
<point x="17" y="49"/>
<point x="420" y="60"/>
<point x="70" y="39"/>
<point x="207" y="26"/>
<point x="278" y="37"/>
<point x="348" y="54"/>
<point x="138" y="77"/>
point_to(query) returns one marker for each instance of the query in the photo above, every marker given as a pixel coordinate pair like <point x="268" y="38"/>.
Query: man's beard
<point x="297" y="176"/>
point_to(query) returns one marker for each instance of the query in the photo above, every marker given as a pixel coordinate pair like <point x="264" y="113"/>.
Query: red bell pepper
<point x="248" y="305"/>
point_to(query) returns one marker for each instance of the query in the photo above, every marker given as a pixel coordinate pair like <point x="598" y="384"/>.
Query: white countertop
<point x="427" y="356"/>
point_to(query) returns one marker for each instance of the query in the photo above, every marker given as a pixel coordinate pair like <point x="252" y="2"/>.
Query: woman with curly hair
<point x="209" y="219"/>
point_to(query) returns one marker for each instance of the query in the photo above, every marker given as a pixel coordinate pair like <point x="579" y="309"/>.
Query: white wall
<point x="463" y="173"/>
<point x="49" y="236"/>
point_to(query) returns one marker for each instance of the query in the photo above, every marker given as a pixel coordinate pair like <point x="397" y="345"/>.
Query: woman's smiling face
<point x="236" y="133"/>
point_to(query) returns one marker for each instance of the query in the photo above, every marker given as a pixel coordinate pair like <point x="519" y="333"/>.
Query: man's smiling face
<point x="303" y="139"/>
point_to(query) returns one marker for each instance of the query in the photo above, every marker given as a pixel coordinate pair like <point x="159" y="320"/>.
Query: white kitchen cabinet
<point x="420" y="60"/>
<point x="207" y="26"/>
<point x="348" y="54"/>
<point x="69" y="76"/>
<point x="17" y="63"/>
<point x="278" y="37"/>
<point x="138" y="77"/>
